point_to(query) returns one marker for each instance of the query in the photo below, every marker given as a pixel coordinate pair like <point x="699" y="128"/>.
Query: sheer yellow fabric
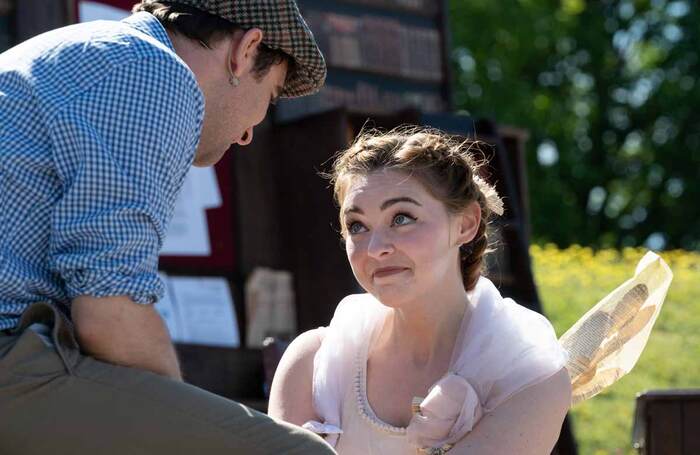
<point x="607" y="341"/>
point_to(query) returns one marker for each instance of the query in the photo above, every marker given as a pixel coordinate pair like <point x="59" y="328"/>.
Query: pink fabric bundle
<point x="450" y="410"/>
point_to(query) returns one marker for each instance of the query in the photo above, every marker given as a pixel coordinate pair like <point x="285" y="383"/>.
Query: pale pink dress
<point x="501" y="349"/>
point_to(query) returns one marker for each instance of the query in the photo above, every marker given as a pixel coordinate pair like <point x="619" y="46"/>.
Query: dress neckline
<point x="364" y="407"/>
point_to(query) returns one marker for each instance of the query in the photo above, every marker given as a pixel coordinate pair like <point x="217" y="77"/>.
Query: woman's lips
<point x="388" y="272"/>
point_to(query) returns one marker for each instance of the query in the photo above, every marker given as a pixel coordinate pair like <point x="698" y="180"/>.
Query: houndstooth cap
<point x="283" y="28"/>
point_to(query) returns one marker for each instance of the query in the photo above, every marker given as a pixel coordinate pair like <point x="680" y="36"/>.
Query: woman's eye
<point x="355" y="228"/>
<point x="402" y="219"/>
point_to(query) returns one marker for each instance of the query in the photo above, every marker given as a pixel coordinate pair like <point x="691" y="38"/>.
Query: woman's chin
<point x="392" y="296"/>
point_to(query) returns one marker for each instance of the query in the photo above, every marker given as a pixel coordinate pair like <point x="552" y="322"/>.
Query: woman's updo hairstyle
<point x="446" y="167"/>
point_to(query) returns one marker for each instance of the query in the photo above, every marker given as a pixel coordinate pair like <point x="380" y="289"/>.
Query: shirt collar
<point x="148" y="24"/>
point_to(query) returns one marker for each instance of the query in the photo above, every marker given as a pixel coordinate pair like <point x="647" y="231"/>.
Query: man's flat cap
<point x="283" y="28"/>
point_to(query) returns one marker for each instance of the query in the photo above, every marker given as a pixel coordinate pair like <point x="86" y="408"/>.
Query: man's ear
<point x="469" y="221"/>
<point x="245" y="49"/>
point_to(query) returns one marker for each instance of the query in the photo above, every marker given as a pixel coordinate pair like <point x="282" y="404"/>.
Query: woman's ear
<point x="469" y="221"/>
<point x="245" y="49"/>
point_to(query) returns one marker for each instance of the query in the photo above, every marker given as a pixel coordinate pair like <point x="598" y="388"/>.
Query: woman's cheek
<point x="350" y="250"/>
<point x="353" y="255"/>
<point x="357" y="258"/>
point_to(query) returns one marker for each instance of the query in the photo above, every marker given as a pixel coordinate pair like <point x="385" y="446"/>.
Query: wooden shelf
<point x="435" y="83"/>
<point x="429" y="8"/>
<point x="389" y="8"/>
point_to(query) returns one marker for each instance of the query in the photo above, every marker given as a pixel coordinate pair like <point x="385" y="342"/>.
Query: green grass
<point x="572" y="280"/>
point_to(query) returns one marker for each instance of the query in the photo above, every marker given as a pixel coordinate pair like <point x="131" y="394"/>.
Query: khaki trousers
<point x="55" y="400"/>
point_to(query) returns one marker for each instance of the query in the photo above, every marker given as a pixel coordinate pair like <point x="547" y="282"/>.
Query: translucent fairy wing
<point x="607" y="341"/>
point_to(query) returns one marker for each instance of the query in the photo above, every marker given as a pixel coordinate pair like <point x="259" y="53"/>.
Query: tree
<point x="608" y="90"/>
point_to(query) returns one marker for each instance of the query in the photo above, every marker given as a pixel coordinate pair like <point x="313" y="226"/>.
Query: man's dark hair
<point x="201" y="26"/>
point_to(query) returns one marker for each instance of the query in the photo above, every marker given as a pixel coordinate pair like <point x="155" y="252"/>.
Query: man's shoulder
<point x="117" y="43"/>
<point x="130" y="55"/>
<point x="94" y="48"/>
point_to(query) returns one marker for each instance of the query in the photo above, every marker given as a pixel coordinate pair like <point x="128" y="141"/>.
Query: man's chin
<point x="209" y="158"/>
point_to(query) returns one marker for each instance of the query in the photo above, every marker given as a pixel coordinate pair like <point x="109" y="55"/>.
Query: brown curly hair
<point x="447" y="168"/>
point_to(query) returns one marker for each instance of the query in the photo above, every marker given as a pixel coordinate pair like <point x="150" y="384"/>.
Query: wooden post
<point x="446" y="41"/>
<point x="33" y="17"/>
<point x="6" y="28"/>
<point x="666" y="422"/>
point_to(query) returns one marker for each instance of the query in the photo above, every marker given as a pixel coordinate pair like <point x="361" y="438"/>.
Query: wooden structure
<point x="667" y="422"/>
<point x="23" y="19"/>
<point x="388" y="62"/>
<point x="6" y="24"/>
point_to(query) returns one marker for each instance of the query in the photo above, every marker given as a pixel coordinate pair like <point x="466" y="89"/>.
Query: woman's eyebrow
<point x="353" y="209"/>
<point x="385" y="205"/>
<point x="389" y="202"/>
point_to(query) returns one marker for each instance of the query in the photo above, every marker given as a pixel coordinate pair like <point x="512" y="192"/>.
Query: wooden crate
<point x="667" y="422"/>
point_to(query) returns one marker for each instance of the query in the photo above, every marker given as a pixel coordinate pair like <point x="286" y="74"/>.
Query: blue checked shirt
<point x="98" y="127"/>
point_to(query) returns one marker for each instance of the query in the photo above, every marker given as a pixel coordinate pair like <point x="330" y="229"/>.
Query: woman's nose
<point x="379" y="244"/>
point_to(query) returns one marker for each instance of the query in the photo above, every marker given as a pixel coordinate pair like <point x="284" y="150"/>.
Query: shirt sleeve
<point x="121" y="152"/>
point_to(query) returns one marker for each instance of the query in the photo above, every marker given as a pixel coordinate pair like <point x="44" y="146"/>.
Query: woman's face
<point x="401" y="242"/>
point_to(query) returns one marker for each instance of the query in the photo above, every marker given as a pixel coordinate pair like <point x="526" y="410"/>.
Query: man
<point x="99" y="123"/>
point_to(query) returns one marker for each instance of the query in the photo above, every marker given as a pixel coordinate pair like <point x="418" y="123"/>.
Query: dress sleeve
<point x="354" y="322"/>
<point x="538" y="357"/>
<point x="121" y="152"/>
<point x="505" y="349"/>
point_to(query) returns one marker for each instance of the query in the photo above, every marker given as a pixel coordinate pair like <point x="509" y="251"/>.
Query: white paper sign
<point x="206" y="186"/>
<point x="204" y="307"/>
<point x="92" y="11"/>
<point x="188" y="232"/>
<point x="167" y="310"/>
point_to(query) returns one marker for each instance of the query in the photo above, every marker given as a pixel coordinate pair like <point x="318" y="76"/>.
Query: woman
<point x="432" y="358"/>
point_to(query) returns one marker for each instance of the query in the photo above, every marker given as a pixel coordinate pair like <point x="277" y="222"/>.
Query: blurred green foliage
<point x="610" y="92"/>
